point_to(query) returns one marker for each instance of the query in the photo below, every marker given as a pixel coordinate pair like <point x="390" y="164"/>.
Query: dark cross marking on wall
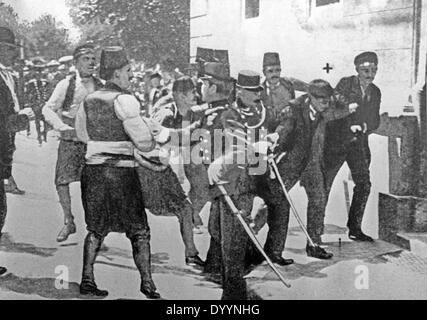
<point x="328" y="68"/>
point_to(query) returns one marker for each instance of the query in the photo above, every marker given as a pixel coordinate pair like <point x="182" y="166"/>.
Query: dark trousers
<point x="231" y="240"/>
<point x="358" y="158"/>
<point x="278" y="207"/>
<point x="199" y="193"/>
<point x="3" y="205"/>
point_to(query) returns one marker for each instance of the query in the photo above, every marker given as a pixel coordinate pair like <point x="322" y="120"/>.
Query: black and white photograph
<point x="207" y="150"/>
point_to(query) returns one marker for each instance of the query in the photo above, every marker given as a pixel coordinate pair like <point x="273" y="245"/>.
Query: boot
<point x="358" y="235"/>
<point x="142" y="257"/>
<point x="68" y="229"/>
<point x="194" y="261"/>
<point x="318" y="252"/>
<point x="65" y="201"/>
<point x="90" y="251"/>
<point x="3" y="270"/>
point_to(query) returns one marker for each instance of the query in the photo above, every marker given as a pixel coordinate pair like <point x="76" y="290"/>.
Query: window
<point x="251" y="9"/>
<point x="320" y="3"/>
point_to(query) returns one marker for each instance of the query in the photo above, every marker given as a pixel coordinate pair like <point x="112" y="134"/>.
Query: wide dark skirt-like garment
<point x="162" y="193"/>
<point x="112" y="200"/>
<point x="71" y="159"/>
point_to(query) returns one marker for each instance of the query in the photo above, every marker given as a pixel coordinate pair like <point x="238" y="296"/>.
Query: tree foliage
<point x="49" y="38"/>
<point x="154" y="31"/>
<point x="42" y="37"/>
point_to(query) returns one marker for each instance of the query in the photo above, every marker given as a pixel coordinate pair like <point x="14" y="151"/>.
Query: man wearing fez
<point x="347" y="139"/>
<point x="36" y="94"/>
<point x="60" y="111"/>
<point x="278" y="91"/>
<point x="110" y="122"/>
<point x="12" y="119"/>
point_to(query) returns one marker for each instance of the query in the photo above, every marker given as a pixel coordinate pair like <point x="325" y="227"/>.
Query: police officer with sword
<point x="233" y="180"/>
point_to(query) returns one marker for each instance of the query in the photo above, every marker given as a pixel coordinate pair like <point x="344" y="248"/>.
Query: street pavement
<point x="41" y="268"/>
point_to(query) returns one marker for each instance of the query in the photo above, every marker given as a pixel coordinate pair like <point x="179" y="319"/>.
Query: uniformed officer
<point x="235" y="170"/>
<point x="216" y="89"/>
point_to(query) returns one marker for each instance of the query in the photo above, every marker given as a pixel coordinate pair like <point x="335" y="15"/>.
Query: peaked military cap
<point x="271" y="59"/>
<point x="366" y="58"/>
<point x="249" y="80"/>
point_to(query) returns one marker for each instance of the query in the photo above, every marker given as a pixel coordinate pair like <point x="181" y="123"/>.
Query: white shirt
<point x="53" y="106"/>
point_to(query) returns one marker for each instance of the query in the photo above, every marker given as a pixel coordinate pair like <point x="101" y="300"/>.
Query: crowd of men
<point x="199" y="139"/>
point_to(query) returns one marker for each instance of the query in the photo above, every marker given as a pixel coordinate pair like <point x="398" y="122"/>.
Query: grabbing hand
<point x="28" y="112"/>
<point x="215" y="173"/>
<point x="353" y="107"/>
<point x="272" y="139"/>
<point x="356" y="129"/>
<point x="211" y="114"/>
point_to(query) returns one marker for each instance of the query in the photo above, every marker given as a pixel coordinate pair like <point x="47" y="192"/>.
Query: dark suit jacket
<point x="303" y="139"/>
<point x="10" y="122"/>
<point x="348" y="90"/>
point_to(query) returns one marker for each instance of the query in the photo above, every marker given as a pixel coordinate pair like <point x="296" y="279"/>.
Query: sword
<point x="293" y="209"/>
<point x="251" y="234"/>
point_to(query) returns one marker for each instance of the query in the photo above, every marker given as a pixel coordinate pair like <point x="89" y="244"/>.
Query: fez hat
<point x="183" y="84"/>
<point x="112" y="58"/>
<point x="7" y="37"/>
<point x="320" y="88"/>
<point x="83" y="49"/>
<point x="249" y="80"/>
<point x="366" y="58"/>
<point x="155" y="75"/>
<point x="215" y="70"/>
<point x="271" y="59"/>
